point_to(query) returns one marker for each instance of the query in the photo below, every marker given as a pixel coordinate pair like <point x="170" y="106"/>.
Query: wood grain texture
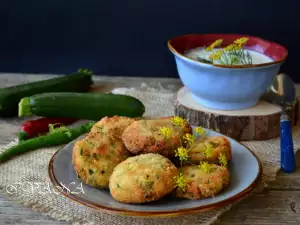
<point x="261" y="122"/>
<point x="280" y="205"/>
<point x="267" y="208"/>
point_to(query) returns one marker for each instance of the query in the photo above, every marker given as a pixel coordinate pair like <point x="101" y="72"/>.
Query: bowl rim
<point x="172" y="49"/>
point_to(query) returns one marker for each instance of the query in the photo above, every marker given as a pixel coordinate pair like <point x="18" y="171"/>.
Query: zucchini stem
<point x="24" y="107"/>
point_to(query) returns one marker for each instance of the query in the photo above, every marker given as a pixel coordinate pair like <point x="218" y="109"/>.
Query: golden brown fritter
<point x="95" y="157"/>
<point x="142" y="178"/>
<point x="113" y="126"/>
<point x="203" y="184"/>
<point x="209" y="150"/>
<point x="145" y="136"/>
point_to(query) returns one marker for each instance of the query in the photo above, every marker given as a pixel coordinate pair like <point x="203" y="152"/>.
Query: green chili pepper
<point x="59" y="136"/>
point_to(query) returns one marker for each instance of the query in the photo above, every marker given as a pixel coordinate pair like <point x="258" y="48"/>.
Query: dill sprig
<point x="215" y="44"/>
<point x="179" y="121"/>
<point x="180" y="182"/>
<point x="206" y="167"/>
<point x="233" y="54"/>
<point x="166" y="132"/>
<point x="189" y="139"/>
<point x="182" y="153"/>
<point x="199" y="130"/>
<point x="208" y="150"/>
<point x="223" y="160"/>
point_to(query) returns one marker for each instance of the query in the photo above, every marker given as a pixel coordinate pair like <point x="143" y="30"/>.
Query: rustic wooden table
<point x="278" y="205"/>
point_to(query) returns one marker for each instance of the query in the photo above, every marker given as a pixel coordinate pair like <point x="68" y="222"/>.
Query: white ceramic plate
<point x="245" y="170"/>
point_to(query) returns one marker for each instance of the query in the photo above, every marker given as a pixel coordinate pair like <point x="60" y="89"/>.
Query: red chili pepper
<point x="34" y="128"/>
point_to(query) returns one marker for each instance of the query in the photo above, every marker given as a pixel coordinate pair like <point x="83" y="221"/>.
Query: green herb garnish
<point x="62" y="129"/>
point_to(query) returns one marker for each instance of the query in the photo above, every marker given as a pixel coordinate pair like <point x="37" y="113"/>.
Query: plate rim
<point x="193" y="210"/>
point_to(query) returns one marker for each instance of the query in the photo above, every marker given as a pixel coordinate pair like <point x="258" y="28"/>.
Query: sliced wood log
<point x="261" y="122"/>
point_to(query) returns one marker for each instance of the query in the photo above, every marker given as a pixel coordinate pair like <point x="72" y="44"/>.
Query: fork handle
<point x="288" y="164"/>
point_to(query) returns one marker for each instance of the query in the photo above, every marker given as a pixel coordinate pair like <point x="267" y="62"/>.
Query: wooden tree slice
<point x="261" y="122"/>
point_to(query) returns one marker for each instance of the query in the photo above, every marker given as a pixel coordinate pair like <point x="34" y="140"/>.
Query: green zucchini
<point x="11" y="96"/>
<point x="90" y="106"/>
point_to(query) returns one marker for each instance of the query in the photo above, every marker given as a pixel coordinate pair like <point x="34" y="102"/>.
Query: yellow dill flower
<point x="238" y="47"/>
<point x="213" y="45"/>
<point x="218" y="42"/>
<point x="166" y="132"/>
<point x="180" y="183"/>
<point x="182" y="153"/>
<point x="223" y="160"/>
<point x="241" y="41"/>
<point x="178" y="121"/>
<point x="199" y="130"/>
<point x="206" y="167"/>
<point x="208" y="150"/>
<point x="189" y="138"/>
<point x="216" y="55"/>
<point x="232" y="47"/>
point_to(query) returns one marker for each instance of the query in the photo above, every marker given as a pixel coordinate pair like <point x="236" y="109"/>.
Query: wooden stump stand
<point x="261" y="122"/>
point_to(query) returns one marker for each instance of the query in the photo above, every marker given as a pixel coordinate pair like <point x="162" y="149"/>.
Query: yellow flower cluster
<point x="189" y="139"/>
<point x="232" y="47"/>
<point x="180" y="183"/>
<point x="206" y="167"/>
<point x="166" y="132"/>
<point x="208" y="150"/>
<point x="223" y="160"/>
<point x="241" y="41"/>
<point x="236" y="45"/>
<point x="216" y="55"/>
<point x="179" y="121"/>
<point x="217" y="43"/>
<point x="200" y="130"/>
<point x="182" y="153"/>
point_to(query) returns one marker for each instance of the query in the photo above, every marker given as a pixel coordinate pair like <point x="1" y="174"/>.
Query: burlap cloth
<point x="17" y="176"/>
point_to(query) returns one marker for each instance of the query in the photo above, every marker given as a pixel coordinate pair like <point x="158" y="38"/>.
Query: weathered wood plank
<point x="273" y="207"/>
<point x="288" y="181"/>
<point x="14" y="213"/>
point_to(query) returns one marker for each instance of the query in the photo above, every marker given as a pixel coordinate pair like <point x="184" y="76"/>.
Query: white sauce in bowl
<point x="257" y="58"/>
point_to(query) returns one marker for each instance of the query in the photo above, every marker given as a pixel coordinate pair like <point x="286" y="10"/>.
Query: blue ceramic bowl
<point x="226" y="87"/>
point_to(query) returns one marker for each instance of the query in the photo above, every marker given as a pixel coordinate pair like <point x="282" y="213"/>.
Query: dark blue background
<point x="128" y="38"/>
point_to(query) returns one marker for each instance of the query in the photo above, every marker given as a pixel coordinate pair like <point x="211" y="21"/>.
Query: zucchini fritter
<point x="95" y="157"/>
<point x="209" y="150"/>
<point x="144" y="136"/>
<point x="142" y="178"/>
<point x="113" y="126"/>
<point x="203" y="184"/>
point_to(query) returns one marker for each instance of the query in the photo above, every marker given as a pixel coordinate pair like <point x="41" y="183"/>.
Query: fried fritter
<point x="209" y="150"/>
<point x="113" y="126"/>
<point x="146" y="136"/>
<point x="142" y="178"/>
<point x="95" y="157"/>
<point x="201" y="183"/>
